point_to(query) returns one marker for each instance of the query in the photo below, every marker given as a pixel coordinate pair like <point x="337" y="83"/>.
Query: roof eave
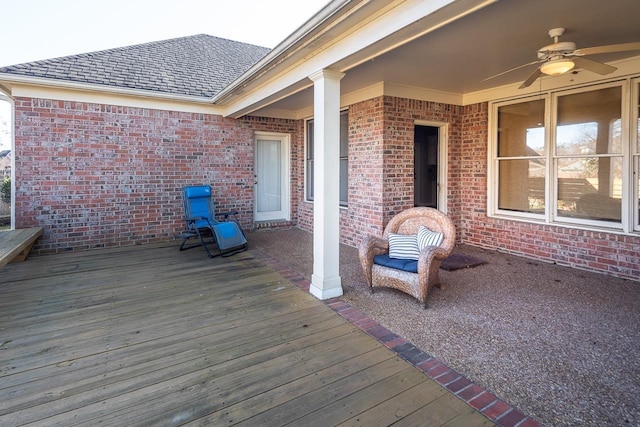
<point x="7" y="79"/>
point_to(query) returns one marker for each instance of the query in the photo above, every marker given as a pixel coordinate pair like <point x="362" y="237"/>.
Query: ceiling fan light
<point x="557" y="67"/>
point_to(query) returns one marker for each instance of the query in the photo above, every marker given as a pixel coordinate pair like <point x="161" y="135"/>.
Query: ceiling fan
<point x="561" y="57"/>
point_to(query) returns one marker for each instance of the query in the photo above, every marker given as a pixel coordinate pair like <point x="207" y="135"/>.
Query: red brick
<point x="458" y="384"/>
<point x="497" y="409"/>
<point x="511" y="419"/>
<point x="470" y="392"/>
<point x="482" y="400"/>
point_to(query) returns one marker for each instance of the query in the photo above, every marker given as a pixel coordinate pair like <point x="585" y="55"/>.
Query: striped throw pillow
<point x="427" y="237"/>
<point x="403" y="246"/>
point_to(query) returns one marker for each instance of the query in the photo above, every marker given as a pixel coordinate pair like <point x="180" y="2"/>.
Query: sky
<point x="32" y="30"/>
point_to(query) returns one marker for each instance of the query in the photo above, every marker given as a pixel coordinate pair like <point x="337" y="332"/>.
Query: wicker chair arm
<point x="370" y="247"/>
<point x="374" y="246"/>
<point x="428" y="265"/>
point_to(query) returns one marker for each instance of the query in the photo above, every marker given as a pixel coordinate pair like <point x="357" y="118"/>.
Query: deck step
<point x="15" y="245"/>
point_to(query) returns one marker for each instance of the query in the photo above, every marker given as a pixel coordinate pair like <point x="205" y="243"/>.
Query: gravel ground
<point x="561" y="345"/>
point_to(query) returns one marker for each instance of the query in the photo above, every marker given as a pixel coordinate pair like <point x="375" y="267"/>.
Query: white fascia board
<point x="48" y="89"/>
<point x="391" y="24"/>
<point x="11" y="79"/>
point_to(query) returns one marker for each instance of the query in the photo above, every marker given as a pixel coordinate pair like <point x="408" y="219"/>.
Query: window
<point x="521" y="157"/>
<point x="588" y="155"/>
<point x="344" y="159"/>
<point x="636" y="154"/>
<point x="565" y="157"/>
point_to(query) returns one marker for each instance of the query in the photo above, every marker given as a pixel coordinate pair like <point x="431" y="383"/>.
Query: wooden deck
<point x="154" y="336"/>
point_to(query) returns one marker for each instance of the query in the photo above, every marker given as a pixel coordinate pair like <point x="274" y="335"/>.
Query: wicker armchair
<point x="408" y="222"/>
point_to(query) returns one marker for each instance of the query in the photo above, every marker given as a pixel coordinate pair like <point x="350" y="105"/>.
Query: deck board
<point x="154" y="336"/>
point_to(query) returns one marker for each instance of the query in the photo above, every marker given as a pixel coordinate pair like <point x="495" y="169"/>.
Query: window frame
<point x="630" y="157"/>
<point x="308" y="177"/>
<point x="493" y="172"/>
<point x="633" y="208"/>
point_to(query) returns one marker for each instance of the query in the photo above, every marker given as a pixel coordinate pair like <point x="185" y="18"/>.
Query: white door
<point x="271" y="177"/>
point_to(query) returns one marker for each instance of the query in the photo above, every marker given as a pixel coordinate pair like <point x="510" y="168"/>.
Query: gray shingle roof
<point x="199" y="65"/>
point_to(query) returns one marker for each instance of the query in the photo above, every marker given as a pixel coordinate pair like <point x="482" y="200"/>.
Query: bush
<point x="5" y="191"/>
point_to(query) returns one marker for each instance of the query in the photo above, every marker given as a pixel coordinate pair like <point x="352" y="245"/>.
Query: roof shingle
<point x="199" y="65"/>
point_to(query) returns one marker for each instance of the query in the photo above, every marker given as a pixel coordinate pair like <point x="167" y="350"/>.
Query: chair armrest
<point x="191" y="221"/>
<point x="227" y="214"/>
<point x="430" y="254"/>
<point x="370" y="247"/>
<point x="428" y="264"/>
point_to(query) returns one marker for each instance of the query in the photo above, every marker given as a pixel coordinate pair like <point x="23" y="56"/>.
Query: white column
<point x="325" y="280"/>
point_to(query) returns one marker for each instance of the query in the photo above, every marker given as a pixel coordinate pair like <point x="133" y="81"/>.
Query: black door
<point x="425" y="166"/>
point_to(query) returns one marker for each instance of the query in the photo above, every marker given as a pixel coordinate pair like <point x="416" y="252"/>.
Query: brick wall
<point x="98" y="175"/>
<point x="365" y="212"/>
<point x="381" y="138"/>
<point x="401" y="115"/>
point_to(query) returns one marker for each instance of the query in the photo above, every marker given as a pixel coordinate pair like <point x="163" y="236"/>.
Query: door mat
<point x="458" y="261"/>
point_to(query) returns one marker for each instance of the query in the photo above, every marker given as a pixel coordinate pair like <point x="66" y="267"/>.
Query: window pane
<point x="636" y="171"/>
<point x="589" y="123"/>
<point x="344" y="158"/>
<point x="638" y="190"/>
<point x="309" y="140"/>
<point x="309" y="162"/>
<point x="638" y="128"/>
<point x="590" y="187"/>
<point x="344" y="188"/>
<point x="344" y="135"/>
<point x="521" y="129"/>
<point x="522" y="185"/>
<point x="310" y="179"/>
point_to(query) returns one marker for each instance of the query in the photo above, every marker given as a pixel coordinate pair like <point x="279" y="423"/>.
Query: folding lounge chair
<point x="202" y="224"/>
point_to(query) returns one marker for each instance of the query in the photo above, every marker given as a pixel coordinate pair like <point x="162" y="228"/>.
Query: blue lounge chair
<point x="202" y="223"/>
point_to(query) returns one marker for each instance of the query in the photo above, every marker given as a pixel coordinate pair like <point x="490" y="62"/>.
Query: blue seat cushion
<point x="385" y="260"/>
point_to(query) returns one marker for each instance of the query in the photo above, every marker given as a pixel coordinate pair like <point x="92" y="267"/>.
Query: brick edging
<point x="497" y="410"/>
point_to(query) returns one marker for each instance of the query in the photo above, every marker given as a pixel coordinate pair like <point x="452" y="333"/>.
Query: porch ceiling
<point x="456" y="58"/>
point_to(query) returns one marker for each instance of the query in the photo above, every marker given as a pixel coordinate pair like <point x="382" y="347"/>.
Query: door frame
<point x="285" y="172"/>
<point x="443" y="166"/>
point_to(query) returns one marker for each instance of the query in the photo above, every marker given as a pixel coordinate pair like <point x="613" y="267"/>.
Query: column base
<point x="325" y="288"/>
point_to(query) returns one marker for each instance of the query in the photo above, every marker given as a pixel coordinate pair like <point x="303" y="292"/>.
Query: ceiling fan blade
<point x="595" y="66"/>
<point x="512" y="69"/>
<point x="532" y="78"/>
<point x="622" y="47"/>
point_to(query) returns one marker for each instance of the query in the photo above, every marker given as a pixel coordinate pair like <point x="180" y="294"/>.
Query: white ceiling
<point x="459" y="56"/>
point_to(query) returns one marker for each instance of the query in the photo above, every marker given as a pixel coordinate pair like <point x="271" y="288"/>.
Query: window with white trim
<point x="344" y="159"/>
<point x="568" y="157"/>
<point x="635" y="152"/>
